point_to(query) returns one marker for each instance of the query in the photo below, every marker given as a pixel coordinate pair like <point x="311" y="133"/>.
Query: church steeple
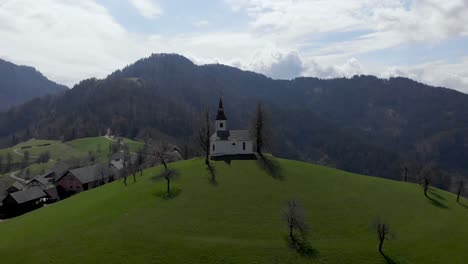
<point x="221" y="115"/>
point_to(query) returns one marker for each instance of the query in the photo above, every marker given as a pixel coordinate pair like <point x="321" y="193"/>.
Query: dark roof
<point x="52" y="192"/>
<point x="27" y="195"/>
<point x="239" y="135"/>
<point x="221" y="115"/>
<point x="90" y="173"/>
<point x="48" y="174"/>
<point x="42" y="180"/>
<point x="60" y="169"/>
<point x="17" y="185"/>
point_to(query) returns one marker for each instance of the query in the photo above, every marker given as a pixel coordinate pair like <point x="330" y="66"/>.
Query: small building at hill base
<point x="85" y="178"/>
<point x="226" y="142"/>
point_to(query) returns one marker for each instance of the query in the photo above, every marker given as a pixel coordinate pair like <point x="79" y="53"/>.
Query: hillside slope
<point x="19" y="84"/>
<point x="362" y="124"/>
<point x="238" y="220"/>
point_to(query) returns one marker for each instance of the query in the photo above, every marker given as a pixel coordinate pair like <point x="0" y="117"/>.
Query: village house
<point x="24" y="200"/>
<point x="46" y="185"/>
<point x="229" y="142"/>
<point x="16" y="186"/>
<point x="85" y="178"/>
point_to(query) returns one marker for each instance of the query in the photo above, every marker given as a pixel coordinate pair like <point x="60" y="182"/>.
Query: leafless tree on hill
<point x="261" y="128"/>
<point x="204" y="134"/>
<point x="382" y="229"/>
<point x="293" y="215"/>
<point x="461" y="186"/>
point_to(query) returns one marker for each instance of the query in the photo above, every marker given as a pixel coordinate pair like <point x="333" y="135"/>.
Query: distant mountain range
<point x="19" y="84"/>
<point x="363" y="124"/>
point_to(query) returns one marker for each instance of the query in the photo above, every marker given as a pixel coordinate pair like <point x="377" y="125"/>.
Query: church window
<point x="243" y="145"/>
<point x="213" y="147"/>
<point x="221" y="125"/>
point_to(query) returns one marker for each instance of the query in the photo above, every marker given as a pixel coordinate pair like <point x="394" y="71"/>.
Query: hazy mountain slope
<point x="363" y="124"/>
<point x="19" y="84"/>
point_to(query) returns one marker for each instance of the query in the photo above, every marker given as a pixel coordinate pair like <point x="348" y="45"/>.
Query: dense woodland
<point x="363" y="124"/>
<point x="19" y="84"/>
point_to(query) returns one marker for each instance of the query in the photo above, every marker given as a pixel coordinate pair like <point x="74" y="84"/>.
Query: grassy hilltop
<point x="238" y="220"/>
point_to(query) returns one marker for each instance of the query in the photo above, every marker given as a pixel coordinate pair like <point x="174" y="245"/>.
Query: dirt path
<point x="109" y="138"/>
<point x="13" y="176"/>
<point x="16" y="151"/>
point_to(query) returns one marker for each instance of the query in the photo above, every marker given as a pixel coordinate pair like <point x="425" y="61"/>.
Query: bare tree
<point x="260" y="127"/>
<point x="91" y="157"/>
<point x="1" y="163"/>
<point x="383" y="231"/>
<point x="204" y="135"/>
<point x="169" y="175"/>
<point x="461" y="186"/>
<point x="25" y="158"/>
<point x="294" y="218"/>
<point x="9" y="161"/>
<point x="405" y="173"/>
<point x="140" y="160"/>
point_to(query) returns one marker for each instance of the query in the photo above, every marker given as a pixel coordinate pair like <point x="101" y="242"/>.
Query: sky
<point x="72" y="40"/>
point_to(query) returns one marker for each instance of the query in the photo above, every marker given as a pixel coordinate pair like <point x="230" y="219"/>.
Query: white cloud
<point x="201" y="23"/>
<point x="439" y="73"/>
<point x="147" y="8"/>
<point x="389" y="23"/>
<point x="74" y="40"/>
<point x="66" y="40"/>
<point x="275" y="63"/>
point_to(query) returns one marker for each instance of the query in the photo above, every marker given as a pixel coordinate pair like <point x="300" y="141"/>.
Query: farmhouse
<point x="24" y="200"/>
<point x="46" y="185"/>
<point x="17" y="186"/>
<point x="85" y="178"/>
<point x="229" y="142"/>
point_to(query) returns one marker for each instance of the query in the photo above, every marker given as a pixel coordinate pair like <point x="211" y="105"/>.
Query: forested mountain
<point x="363" y="124"/>
<point x="19" y="84"/>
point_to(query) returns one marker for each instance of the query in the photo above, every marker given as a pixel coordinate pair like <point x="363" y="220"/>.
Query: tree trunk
<point x="168" y="187"/>
<point x="458" y="194"/>
<point x="141" y="172"/>
<point x="134" y="176"/>
<point x="291" y="234"/>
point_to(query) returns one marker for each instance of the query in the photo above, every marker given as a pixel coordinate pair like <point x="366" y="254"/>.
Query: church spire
<point x="221" y="115"/>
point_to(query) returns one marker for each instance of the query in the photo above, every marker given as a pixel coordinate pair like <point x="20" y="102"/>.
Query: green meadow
<point x="238" y="219"/>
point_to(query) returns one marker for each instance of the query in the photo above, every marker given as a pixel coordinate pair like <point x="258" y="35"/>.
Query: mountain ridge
<point x="362" y="124"/>
<point x="19" y="84"/>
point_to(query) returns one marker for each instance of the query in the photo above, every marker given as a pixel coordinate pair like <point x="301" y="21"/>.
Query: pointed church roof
<point x="221" y="115"/>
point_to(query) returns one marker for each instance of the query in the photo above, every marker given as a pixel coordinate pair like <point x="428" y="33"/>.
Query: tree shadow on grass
<point x="438" y="196"/>
<point x="388" y="259"/>
<point x="212" y="174"/>
<point x="463" y="205"/>
<point x="436" y="202"/>
<point x="168" y="196"/>
<point x="271" y="166"/>
<point x="229" y="158"/>
<point x="302" y="247"/>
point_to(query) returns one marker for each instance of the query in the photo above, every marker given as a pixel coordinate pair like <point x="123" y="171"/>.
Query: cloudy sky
<point x="70" y="40"/>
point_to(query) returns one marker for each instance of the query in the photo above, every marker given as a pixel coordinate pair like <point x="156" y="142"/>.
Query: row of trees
<point x="427" y="175"/>
<point x="7" y="163"/>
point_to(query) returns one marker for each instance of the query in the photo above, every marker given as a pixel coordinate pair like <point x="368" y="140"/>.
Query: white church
<point x="229" y="142"/>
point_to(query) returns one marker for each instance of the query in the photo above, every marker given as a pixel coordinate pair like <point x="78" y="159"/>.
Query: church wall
<point x="227" y="147"/>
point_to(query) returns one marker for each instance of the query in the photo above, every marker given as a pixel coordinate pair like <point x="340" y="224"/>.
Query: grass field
<point x="63" y="150"/>
<point x="238" y="220"/>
